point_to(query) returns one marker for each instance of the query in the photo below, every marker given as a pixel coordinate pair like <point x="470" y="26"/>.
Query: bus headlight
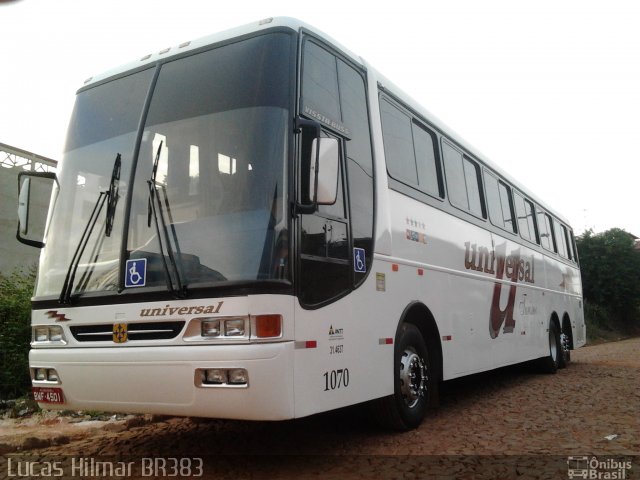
<point x="223" y="327"/>
<point x="41" y="334"/>
<point x="55" y="333"/>
<point x="234" y="327"/>
<point x="50" y="334"/>
<point x="210" y="328"/>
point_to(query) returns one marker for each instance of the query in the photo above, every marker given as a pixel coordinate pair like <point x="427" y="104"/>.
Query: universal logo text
<point x="170" y="311"/>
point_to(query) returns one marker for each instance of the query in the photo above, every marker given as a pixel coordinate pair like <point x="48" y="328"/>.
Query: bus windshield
<point x="214" y="210"/>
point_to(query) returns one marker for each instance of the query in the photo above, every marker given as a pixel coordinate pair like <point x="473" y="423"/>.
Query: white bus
<point x="258" y="225"/>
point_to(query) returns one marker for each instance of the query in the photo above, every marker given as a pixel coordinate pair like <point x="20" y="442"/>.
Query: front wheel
<point x="414" y="383"/>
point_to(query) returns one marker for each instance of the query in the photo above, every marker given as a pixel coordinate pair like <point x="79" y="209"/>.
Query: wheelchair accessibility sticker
<point x="136" y="274"/>
<point x="359" y="260"/>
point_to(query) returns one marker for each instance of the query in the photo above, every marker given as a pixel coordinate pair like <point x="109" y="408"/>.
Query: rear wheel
<point x="566" y="344"/>
<point x="414" y="383"/>
<point x="551" y="363"/>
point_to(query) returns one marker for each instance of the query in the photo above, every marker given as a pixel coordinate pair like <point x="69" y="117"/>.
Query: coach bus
<point x="258" y="225"/>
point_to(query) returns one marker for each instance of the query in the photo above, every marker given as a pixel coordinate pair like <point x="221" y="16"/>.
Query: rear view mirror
<point x="34" y="196"/>
<point x="325" y="190"/>
<point x="23" y="206"/>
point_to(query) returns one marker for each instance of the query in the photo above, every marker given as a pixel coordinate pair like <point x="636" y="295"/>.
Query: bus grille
<point x="135" y="331"/>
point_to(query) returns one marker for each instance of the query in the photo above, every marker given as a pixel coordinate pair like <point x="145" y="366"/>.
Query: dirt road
<point x="510" y="423"/>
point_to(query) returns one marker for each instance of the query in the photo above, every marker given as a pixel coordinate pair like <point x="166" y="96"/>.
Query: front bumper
<point x="163" y="380"/>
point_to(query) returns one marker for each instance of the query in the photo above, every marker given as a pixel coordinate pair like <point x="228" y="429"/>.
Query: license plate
<point x="48" y="395"/>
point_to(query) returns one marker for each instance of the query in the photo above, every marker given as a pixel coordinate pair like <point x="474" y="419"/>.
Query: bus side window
<point x="499" y="202"/>
<point x="546" y="231"/>
<point x="398" y="144"/>
<point x="463" y="181"/>
<point x="565" y="234"/>
<point x="429" y="174"/>
<point x="561" y="241"/>
<point x="526" y="220"/>
<point x="574" y="247"/>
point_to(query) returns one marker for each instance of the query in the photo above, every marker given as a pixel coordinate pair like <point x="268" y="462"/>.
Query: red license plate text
<point x="48" y="395"/>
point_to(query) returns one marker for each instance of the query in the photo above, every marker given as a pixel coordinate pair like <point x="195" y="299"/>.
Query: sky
<point x="549" y="90"/>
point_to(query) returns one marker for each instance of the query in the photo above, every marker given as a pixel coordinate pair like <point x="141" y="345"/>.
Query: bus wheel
<point x="551" y="363"/>
<point x="414" y="383"/>
<point x="565" y="350"/>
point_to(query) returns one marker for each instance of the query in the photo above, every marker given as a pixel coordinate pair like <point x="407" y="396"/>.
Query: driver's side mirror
<point x="34" y="196"/>
<point x="323" y="177"/>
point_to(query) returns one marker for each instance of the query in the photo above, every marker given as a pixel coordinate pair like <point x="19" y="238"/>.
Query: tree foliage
<point x="15" y="332"/>
<point x="611" y="271"/>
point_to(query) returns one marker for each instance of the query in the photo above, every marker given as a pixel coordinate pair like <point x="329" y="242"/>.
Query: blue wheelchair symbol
<point x="359" y="260"/>
<point x="136" y="274"/>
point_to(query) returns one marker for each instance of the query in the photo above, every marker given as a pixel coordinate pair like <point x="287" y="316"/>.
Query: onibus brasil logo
<point x="594" y="468"/>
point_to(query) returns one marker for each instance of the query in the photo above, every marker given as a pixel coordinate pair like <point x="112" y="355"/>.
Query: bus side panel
<point x="564" y="280"/>
<point x="341" y="356"/>
<point x="518" y="313"/>
<point x="456" y="293"/>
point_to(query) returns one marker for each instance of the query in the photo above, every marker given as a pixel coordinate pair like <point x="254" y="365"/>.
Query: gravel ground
<point x="509" y="423"/>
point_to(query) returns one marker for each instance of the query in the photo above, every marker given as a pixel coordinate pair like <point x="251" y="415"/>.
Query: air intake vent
<point x="135" y="331"/>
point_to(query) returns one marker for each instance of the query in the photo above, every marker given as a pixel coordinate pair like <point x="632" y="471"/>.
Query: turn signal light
<point x="268" y="326"/>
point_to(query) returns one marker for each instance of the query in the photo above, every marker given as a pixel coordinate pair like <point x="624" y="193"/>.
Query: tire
<point x="551" y="363"/>
<point x="414" y="382"/>
<point x="565" y="350"/>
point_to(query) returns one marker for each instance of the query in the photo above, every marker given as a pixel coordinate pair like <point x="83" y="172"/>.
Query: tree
<point x="15" y="332"/>
<point x="611" y="272"/>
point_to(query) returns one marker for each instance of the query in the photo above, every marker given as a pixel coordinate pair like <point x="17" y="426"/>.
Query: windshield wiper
<point x="110" y="197"/>
<point x="156" y="210"/>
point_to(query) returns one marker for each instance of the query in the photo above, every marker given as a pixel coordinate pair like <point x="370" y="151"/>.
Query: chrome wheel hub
<point x="413" y="377"/>
<point x="564" y="341"/>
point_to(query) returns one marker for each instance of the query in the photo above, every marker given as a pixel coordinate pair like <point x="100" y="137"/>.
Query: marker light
<point x="268" y="326"/>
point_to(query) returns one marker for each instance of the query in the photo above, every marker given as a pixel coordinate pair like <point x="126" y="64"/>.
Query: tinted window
<point x="507" y="206"/>
<point x="498" y="199"/>
<point x="561" y="241"/>
<point x="565" y="234"/>
<point x="454" y="172"/>
<point x="472" y="180"/>
<point x="526" y="224"/>
<point x="337" y="90"/>
<point x="424" y="146"/>
<point x="359" y="159"/>
<point x="110" y="111"/>
<point x="221" y="165"/>
<point x="573" y="246"/>
<point x="398" y="143"/>
<point x="463" y="180"/>
<point x="320" y="80"/>
<point x="546" y="235"/>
